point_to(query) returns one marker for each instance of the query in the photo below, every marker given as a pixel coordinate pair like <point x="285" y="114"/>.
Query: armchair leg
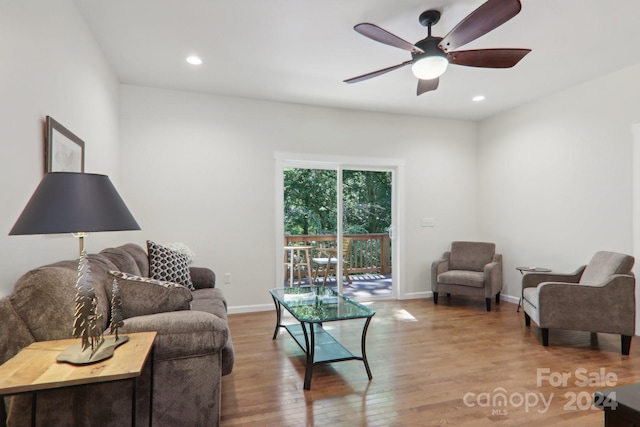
<point x="435" y="298"/>
<point x="527" y="320"/>
<point x="545" y="336"/>
<point x="498" y="298"/>
<point x="625" y="341"/>
<point x="488" y="300"/>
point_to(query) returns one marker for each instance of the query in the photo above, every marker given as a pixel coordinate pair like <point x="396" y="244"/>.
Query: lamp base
<point x="76" y="356"/>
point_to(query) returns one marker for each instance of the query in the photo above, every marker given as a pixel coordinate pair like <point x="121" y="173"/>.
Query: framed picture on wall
<point x="64" y="151"/>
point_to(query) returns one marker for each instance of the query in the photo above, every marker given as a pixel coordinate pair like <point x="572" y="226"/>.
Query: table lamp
<point x="78" y="203"/>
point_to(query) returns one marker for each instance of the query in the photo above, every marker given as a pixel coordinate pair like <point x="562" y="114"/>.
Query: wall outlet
<point x="227" y="278"/>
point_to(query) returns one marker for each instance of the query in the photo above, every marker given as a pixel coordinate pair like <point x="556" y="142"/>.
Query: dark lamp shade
<point x="70" y="202"/>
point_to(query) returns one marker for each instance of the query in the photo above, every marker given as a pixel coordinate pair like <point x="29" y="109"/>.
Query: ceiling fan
<point x="431" y="56"/>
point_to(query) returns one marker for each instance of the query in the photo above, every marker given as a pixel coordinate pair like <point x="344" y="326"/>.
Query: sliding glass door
<point x="342" y="216"/>
<point x="366" y="227"/>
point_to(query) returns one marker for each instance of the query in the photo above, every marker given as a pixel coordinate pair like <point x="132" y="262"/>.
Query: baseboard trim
<point x="415" y="295"/>
<point x="251" y="308"/>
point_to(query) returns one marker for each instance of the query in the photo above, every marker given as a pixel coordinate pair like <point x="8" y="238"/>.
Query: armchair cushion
<point x="603" y="265"/>
<point x="464" y="278"/>
<point x="472" y="256"/>
<point x="532" y="296"/>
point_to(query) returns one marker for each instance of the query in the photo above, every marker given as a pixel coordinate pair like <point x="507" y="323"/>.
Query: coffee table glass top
<point x="319" y="304"/>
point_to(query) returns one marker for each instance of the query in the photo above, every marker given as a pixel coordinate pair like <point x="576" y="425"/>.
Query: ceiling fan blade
<point x="376" y="73"/>
<point x="487" y="17"/>
<point x="383" y="36"/>
<point x="488" y="58"/>
<point x="427" y="85"/>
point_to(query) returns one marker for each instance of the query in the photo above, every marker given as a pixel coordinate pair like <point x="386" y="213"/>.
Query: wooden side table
<point x="35" y="368"/>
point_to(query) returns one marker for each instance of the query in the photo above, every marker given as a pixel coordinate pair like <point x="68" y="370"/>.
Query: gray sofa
<point x="470" y="268"/>
<point x="598" y="297"/>
<point x="193" y="348"/>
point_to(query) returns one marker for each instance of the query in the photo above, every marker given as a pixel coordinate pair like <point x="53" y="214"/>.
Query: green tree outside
<point x="310" y="204"/>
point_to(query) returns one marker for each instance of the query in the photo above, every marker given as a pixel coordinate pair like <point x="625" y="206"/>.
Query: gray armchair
<point x="470" y="268"/>
<point x="598" y="297"/>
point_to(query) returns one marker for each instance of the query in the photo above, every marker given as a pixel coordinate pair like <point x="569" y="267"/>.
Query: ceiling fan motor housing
<point x="430" y="48"/>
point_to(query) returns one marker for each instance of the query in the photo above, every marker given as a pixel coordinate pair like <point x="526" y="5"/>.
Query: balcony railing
<point x="370" y="253"/>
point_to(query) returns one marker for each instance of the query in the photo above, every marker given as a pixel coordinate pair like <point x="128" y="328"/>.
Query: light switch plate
<point x="426" y="222"/>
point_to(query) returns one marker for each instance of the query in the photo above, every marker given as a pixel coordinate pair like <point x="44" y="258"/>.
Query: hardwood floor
<point x="431" y="365"/>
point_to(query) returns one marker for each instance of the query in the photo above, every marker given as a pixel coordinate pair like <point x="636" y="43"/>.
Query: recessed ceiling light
<point x="194" y="60"/>
<point x="478" y="98"/>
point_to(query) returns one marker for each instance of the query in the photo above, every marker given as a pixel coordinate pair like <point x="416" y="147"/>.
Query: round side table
<point x="523" y="270"/>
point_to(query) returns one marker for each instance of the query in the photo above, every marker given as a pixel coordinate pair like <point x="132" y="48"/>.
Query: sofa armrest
<point x="533" y="279"/>
<point x="608" y="308"/>
<point x="185" y="333"/>
<point x="15" y="335"/>
<point x="202" y="277"/>
<point x="493" y="278"/>
<point x="438" y="267"/>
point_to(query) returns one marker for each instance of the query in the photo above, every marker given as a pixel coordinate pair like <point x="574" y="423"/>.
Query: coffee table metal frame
<point x="312" y="306"/>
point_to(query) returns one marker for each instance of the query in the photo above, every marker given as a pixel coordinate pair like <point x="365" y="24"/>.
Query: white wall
<point x="50" y="65"/>
<point x="555" y="176"/>
<point x="635" y="130"/>
<point x="200" y="169"/>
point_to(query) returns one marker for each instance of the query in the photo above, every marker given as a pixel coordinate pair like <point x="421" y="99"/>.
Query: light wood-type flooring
<point x="451" y="364"/>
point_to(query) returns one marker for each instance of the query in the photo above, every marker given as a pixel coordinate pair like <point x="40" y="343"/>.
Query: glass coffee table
<point x="312" y="306"/>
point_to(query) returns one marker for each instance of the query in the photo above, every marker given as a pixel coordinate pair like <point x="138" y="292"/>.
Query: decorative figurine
<point x="93" y="347"/>
<point x="117" y="319"/>
<point x="85" y="325"/>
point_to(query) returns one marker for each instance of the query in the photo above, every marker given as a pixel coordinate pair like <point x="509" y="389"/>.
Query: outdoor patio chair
<point x="329" y="262"/>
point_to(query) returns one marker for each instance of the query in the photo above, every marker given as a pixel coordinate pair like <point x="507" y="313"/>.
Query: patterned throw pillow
<point x="167" y="264"/>
<point x="141" y="296"/>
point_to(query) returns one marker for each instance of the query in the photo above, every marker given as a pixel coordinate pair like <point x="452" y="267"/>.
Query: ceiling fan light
<point x="429" y="67"/>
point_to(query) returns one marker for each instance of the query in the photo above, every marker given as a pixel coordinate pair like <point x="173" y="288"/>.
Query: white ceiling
<point x="300" y="51"/>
